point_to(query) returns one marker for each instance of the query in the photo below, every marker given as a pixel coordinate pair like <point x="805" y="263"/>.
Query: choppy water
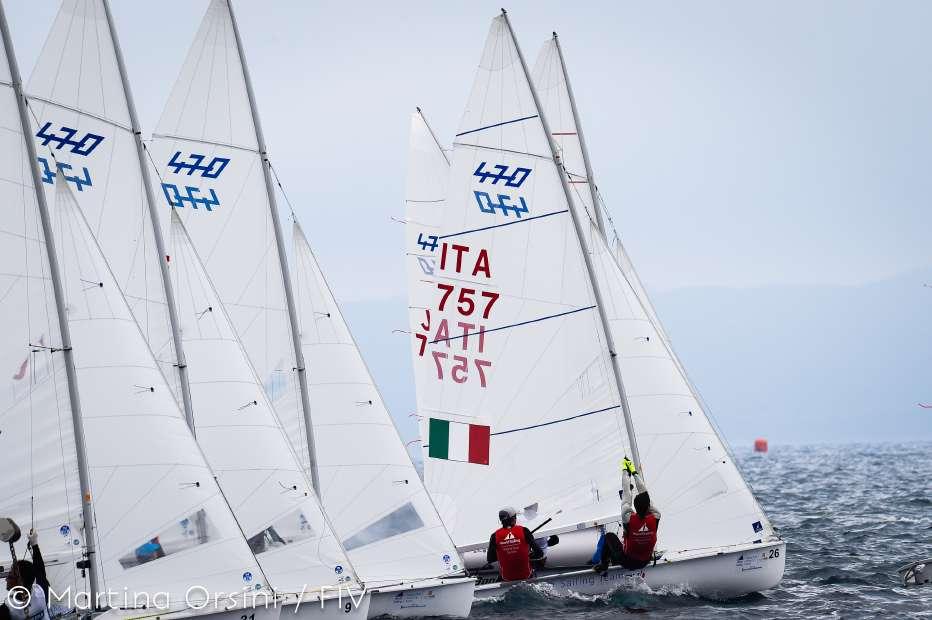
<point x="851" y="515"/>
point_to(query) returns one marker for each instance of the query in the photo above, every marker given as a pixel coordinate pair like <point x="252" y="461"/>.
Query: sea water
<point x="850" y="515"/>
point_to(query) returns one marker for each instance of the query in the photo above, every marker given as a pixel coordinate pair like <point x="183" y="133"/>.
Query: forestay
<point x="692" y="478"/>
<point x="210" y="170"/>
<point x="510" y="359"/>
<point x="84" y="138"/>
<point x="370" y="489"/>
<point x="244" y="443"/>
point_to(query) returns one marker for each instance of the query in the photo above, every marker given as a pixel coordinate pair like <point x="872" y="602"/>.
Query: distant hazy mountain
<point x="809" y="363"/>
<point x="789" y="363"/>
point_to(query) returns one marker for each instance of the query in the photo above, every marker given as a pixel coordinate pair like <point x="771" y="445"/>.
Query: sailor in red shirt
<point x="640" y="525"/>
<point x="513" y="547"/>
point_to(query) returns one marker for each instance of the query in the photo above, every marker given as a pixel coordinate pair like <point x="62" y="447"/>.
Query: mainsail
<point x="39" y="488"/>
<point x="692" y="476"/>
<point x="84" y="138"/>
<point x="207" y="151"/>
<point x="370" y="489"/>
<point x="244" y="443"/>
<point x="516" y="391"/>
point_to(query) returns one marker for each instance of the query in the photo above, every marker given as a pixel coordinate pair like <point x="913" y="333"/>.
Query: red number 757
<point x="460" y="370"/>
<point x="466" y="302"/>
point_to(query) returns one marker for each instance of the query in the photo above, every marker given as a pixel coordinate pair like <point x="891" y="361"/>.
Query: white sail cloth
<point x="244" y="443"/>
<point x="506" y="335"/>
<point x="84" y="138"/>
<point x="687" y="465"/>
<point x="377" y="503"/>
<point x="206" y="151"/>
<point x="161" y="524"/>
<point x="39" y="488"/>
<point x="553" y="94"/>
<point x="211" y="176"/>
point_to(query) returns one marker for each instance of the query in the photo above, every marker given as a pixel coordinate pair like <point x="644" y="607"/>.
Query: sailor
<point x="639" y="522"/>
<point x="28" y="600"/>
<point x="513" y="547"/>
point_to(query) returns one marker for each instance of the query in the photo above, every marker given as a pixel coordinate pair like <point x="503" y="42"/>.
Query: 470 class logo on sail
<point x="501" y="202"/>
<point x="61" y="138"/>
<point x="191" y="195"/>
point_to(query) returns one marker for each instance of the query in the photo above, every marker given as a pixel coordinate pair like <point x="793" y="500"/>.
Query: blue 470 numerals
<point x="510" y="177"/>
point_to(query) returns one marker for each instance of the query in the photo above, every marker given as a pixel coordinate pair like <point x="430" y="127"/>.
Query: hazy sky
<point x="736" y="143"/>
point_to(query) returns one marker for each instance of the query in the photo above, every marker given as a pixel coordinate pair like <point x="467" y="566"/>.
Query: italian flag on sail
<point x="458" y="441"/>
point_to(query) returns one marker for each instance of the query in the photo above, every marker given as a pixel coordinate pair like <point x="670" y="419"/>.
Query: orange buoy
<point x="760" y="445"/>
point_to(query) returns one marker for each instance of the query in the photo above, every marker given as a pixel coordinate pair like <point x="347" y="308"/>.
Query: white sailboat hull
<point x="333" y="607"/>
<point x="449" y="598"/>
<point x="239" y="613"/>
<point x="751" y="568"/>
<point x="342" y="606"/>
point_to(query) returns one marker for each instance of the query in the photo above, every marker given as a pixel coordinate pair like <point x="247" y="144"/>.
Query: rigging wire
<point x="280" y="187"/>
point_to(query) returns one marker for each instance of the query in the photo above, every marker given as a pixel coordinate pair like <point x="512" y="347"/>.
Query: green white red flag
<point x="458" y="441"/>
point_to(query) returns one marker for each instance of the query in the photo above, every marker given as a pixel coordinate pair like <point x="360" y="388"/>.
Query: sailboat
<point x="87" y="122"/>
<point x="214" y="172"/>
<point x="97" y="456"/>
<point x="540" y="363"/>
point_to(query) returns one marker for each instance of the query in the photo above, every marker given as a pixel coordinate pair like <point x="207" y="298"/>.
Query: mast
<point x="282" y="260"/>
<point x="629" y="424"/>
<point x="156" y="227"/>
<point x="590" y="180"/>
<point x="433" y="135"/>
<point x="77" y="420"/>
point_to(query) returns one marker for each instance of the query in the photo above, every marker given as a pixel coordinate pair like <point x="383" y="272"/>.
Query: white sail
<point x="691" y="475"/>
<point x="140" y="468"/>
<point x="369" y="487"/>
<point x="149" y="477"/>
<point x="627" y="269"/>
<point x="508" y="352"/>
<point x="39" y="488"/>
<point x="84" y="138"/>
<point x="244" y="443"/>
<point x="210" y="170"/>
<point x="553" y="94"/>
